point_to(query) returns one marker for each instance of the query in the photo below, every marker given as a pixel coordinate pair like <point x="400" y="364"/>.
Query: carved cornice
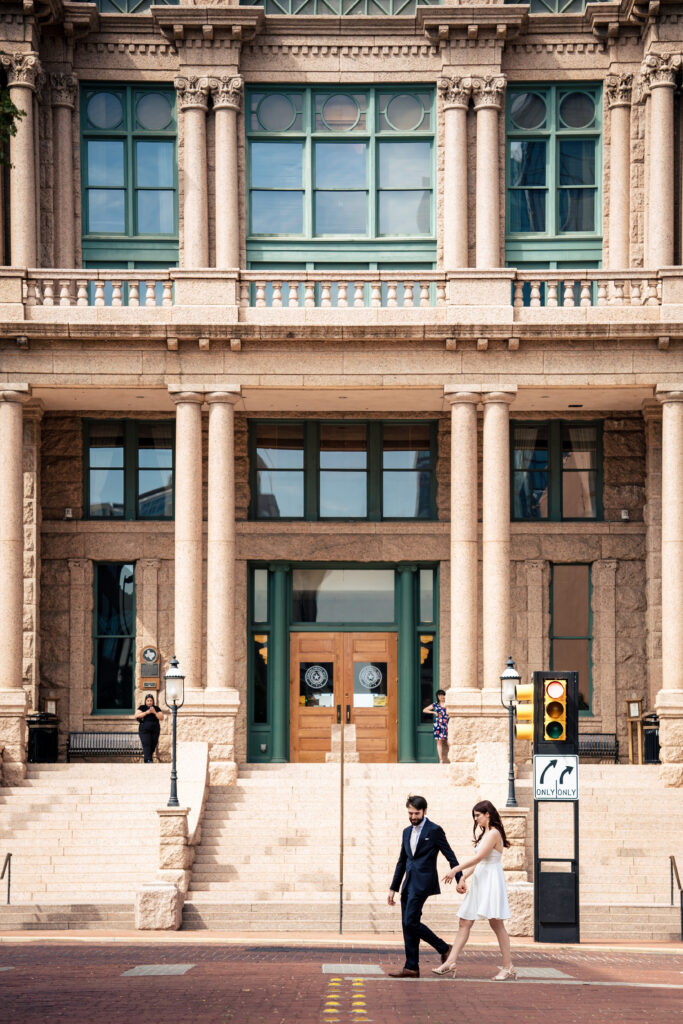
<point x="618" y="90"/>
<point x="658" y="70"/>
<point x="21" y="68"/>
<point x="488" y="91"/>
<point x="227" y="92"/>
<point x="63" y="89"/>
<point x="180" y="24"/>
<point x="192" y="92"/>
<point x="456" y="92"/>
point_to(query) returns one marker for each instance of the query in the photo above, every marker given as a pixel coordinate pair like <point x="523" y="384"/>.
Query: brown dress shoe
<point x="445" y="956"/>
<point x="405" y="972"/>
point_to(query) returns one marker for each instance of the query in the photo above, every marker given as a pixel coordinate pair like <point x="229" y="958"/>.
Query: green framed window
<point x="114" y="638"/>
<point x="553" y="175"/>
<point x="324" y="469"/>
<point x="341" y="175"/>
<point x="553" y="6"/>
<point x="571" y="626"/>
<point x="129" y="176"/>
<point x="129" y="469"/>
<point x="340" y="7"/>
<point x="130" y="6"/>
<point x="556" y="470"/>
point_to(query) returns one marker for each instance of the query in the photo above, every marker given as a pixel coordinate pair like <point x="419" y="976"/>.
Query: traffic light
<point x="524" y="724"/>
<point x="555" y="710"/>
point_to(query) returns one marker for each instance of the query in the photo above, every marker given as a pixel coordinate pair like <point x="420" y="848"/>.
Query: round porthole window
<point x="527" y="110"/>
<point x="276" y="113"/>
<point x="104" y="110"/>
<point x="340" y="113"/>
<point x="405" y="112"/>
<point x="577" y="110"/>
<point x="154" y="112"/>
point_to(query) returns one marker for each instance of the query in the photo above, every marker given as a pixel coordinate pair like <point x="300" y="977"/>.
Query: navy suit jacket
<point x="421" y="878"/>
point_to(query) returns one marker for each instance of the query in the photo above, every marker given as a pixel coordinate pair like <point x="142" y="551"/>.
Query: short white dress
<point x="487" y="895"/>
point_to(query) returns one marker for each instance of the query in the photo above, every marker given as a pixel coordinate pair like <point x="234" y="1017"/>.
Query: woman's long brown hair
<point x="486" y="807"/>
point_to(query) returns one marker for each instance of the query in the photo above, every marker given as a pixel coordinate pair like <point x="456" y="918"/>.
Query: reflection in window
<point x="370" y="684"/>
<point x="260" y="596"/>
<point x="555" y="469"/>
<point x="427" y="579"/>
<point x="130" y="469"/>
<point x="426" y="674"/>
<point x="579" y="471"/>
<point x="530" y="471"/>
<point x="406" y="471"/>
<point x="106" y="471"/>
<point x="343" y="470"/>
<point x="279" y="471"/>
<point x="571" y="626"/>
<point x="260" y="652"/>
<point x="343" y="595"/>
<point x="155" y="471"/>
<point x="114" y="638"/>
<point x="316" y="684"/>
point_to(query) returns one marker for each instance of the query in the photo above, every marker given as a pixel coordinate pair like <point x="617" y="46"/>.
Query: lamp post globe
<point x="174" y="698"/>
<point x="509" y="679"/>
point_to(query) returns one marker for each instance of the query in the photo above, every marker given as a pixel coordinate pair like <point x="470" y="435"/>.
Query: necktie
<point x="413" y="839"/>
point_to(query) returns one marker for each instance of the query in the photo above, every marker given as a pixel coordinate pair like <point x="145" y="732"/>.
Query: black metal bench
<point x="599" y="744"/>
<point x="100" y="744"/>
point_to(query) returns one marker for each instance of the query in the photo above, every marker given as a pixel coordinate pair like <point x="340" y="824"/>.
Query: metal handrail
<point x="673" y="871"/>
<point x="7" y="867"/>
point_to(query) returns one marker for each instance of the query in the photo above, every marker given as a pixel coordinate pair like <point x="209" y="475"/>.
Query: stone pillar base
<point x="350" y="753"/>
<point x="209" y="716"/>
<point x="669" y="707"/>
<point x="521" y="898"/>
<point x="158" y="907"/>
<point x="478" y="741"/>
<point x="13" y="736"/>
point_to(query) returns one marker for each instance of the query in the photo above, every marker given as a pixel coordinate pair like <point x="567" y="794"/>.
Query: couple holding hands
<point x="485" y="899"/>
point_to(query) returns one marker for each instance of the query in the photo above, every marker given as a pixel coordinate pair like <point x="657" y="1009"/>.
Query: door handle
<point x="338" y="714"/>
<point x="348" y="713"/>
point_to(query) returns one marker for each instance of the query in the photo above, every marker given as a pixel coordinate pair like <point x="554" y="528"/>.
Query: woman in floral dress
<point x="438" y="709"/>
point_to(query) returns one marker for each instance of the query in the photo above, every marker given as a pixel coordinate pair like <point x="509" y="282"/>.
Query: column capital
<point x="186" y="397"/>
<point x="618" y="90"/>
<point x="192" y="92"/>
<point x="461" y="397"/>
<point x="652" y="411"/>
<point x="21" y="69"/>
<point x="666" y="393"/>
<point x="227" y="92"/>
<point x="658" y="70"/>
<point x="503" y="396"/>
<point x="63" y="89"/>
<point x="456" y="92"/>
<point x="488" y="91"/>
<point x="15" y="393"/>
<point x="228" y="397"/>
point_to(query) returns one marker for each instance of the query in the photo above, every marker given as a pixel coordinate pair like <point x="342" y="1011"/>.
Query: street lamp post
<point x="508" y="681"/>
<point x="174" y="698"/>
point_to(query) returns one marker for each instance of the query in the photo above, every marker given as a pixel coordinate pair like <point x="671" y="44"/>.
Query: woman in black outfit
<point x="149" y="716"/>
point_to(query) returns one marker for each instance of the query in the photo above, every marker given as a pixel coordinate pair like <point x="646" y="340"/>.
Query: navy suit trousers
<point x="414" y="929"/>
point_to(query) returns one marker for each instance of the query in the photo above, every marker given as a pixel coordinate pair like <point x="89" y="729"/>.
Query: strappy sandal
<point x="445" y="969"/>
<point x="506" y="974"/>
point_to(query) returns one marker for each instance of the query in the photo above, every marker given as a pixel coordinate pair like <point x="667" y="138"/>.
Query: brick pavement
<point x="84" y="983"/>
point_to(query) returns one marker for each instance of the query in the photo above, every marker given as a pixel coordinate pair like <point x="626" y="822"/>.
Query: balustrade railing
<point x="569" y="288"/>
<point x="342" y="289"/>
<point x="132" y="288"/>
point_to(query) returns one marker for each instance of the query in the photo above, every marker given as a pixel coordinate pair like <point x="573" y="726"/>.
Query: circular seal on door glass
<point x="370" y="677"/>
<point x="316" y="677"/>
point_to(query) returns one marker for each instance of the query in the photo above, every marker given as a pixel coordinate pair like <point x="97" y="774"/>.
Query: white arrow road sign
<point x="556" y="777"/>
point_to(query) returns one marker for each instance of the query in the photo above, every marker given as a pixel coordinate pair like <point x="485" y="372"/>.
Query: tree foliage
<point x="9" y="115"/>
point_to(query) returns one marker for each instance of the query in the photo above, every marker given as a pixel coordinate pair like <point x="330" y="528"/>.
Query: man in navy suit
<point x="420" y="847"/>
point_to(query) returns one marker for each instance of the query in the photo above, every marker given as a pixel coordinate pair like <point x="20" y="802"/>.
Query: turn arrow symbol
<point x="568" y="770"/>
<point x="550" y="764"/>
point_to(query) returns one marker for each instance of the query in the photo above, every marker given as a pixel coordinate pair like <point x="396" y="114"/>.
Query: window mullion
<point x="555" y="470"/>
<point x="374" y="471"/>
<point x="311" y="469"/>
<point x="372" y="164"/>
<point x="130" y="470"/>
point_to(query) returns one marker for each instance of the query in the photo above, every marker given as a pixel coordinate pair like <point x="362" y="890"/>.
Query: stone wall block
<point x="172" y="855"/>
<point x="158" y="907"/>
<point x="173" y="826"/>
<point x="521" y="899"/>
<point x="514" y="858"/>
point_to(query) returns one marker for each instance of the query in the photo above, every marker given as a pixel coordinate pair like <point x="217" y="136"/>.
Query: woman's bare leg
<point x="501" y="934"/>
<point x="460" y="940"/>
<point x="442" y="750"/>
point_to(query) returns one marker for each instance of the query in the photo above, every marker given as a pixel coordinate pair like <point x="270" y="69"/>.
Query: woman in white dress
<point x="487" y="898"/>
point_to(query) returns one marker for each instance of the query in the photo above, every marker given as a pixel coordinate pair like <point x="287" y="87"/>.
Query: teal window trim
<point x="311" y="251"/>
<point x="259" y="732"/>
<point x="129" y="247"/>
<point x="553" y="249"/>
<point x="131" y="6"/>
<point x="583" y="712"/>
<point x="426" y="747"/>
<point x="97" y="637"/>
<point x="342" y="7"/>
<point x="553" y="6"/>
<point x="374" y="471"/>
<point x="556" y="471"/>
<point x="131" y="432"/>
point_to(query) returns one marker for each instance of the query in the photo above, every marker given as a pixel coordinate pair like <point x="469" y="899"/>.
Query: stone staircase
<point x="82" y="837"/>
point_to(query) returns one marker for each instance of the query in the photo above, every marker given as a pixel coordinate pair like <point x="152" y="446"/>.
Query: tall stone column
<point x="496" y="536"/>
<point x="670" y="697"/>
<point x="618" y="94"/>
<point x="227" y="95"/>
<point x="488" y="94"/>
<point x="13" y="699"/>
<point x="22" y="71"/>
<point x="192" y="102"/>
<point x="63" y="91"/>
<point x="464" y="540"/>
<point x="188" y="535"/>
<point x="659" y="76"/>
<point x="652" y="516"/>
<point x="456" y="98"/>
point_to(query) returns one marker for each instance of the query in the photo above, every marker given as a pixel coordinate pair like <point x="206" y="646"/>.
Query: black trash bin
<point x="651" y="739"/>
<point x="43" y="738"/>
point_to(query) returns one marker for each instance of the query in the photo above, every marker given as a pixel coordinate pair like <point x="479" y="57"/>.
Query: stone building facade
<point x="345" y="344"/>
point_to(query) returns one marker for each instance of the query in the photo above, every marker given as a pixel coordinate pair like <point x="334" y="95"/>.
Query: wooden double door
<point x="355" y="672"/>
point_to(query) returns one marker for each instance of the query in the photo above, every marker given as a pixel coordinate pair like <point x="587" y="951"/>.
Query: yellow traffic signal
<point x="524" y="726"/>
<point x="555" y="709"/>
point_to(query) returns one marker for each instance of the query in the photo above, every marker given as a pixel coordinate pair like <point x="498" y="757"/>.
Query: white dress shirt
<point x="415" y="836"/>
